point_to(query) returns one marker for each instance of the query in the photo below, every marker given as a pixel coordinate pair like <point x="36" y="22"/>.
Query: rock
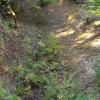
<point x="88" y="64"/>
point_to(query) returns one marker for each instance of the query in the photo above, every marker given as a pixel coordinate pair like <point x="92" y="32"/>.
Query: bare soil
<point x="80" y="42"/>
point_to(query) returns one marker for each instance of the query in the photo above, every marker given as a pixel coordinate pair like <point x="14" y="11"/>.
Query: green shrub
<point x="93" y="6"/>
<point x="4" y="95"/>
<point x="12" y="97"/>
<point x="25" y="79"/>
<point x="39" y="64"/>
<point x="50" y="49"/>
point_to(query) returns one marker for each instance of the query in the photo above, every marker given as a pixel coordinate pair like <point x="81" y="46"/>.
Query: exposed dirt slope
<point x="80" y="42"/>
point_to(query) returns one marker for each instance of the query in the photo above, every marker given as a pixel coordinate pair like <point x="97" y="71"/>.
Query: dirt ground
<point x="80" y="42"/>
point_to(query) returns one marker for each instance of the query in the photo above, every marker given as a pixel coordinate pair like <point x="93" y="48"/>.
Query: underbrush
<point x="39" y="68"/>
<point x="93" y="6"/>
<point x="4" y="95"/>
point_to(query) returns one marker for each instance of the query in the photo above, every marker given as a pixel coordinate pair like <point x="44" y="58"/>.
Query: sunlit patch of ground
<point x="64" y="33"/>
<point x="95" y="43"/>
<point x="96" y="23"/>
<point x="83" y="38"/>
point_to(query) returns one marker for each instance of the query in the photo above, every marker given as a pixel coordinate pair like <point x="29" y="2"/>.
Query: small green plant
<point x="39" y="64"/>
<point x="93" y="6"/>
<point x="56" y="90"/>
<point x="4" y="95"/>
<point x="12" y="97"/>
<point x="26" y="79"/>
<point x="50" y="49"/>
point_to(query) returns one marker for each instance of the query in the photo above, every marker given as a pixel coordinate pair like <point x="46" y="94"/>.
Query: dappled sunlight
<point x="65" y="33"/>
<point x="96" y="23"/>
<point x="74" y="23"/>
<point x="83" y="38"/>
<point x="52" y="53"/>
<point x="95" y="43"/>
<point x="71" y="18"/>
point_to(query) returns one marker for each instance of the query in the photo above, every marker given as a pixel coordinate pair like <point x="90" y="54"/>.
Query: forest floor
<point x="80" y="41"/>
